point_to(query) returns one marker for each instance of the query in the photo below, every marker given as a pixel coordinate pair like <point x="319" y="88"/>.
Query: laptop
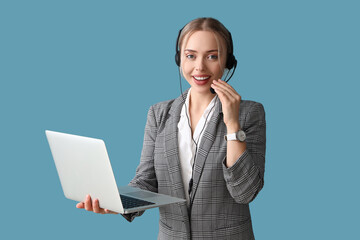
<point x="84" y="168"/>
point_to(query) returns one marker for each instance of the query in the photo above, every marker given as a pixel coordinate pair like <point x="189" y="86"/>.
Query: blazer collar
<point x="175" y="109"/>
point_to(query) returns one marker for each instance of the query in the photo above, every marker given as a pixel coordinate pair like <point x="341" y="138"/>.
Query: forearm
<point x="234" y="148"/>
<point x="245" y="177"/>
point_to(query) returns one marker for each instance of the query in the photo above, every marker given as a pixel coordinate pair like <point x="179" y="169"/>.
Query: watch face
<point x="241" y="135"/>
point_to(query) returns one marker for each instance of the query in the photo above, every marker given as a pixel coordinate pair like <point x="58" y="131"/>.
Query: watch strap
<point x="239" y="135"/>
<point x="230" y="137"/>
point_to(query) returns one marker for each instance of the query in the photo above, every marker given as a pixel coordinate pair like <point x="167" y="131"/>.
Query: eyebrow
<point x="190" y="50"/>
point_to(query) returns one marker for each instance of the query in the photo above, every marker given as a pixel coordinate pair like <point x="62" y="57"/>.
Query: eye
<point x="190" y="56"/>
<point x="213" y="57"/>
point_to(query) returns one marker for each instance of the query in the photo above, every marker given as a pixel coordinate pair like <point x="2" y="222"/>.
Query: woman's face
<point x="200" y="61"/>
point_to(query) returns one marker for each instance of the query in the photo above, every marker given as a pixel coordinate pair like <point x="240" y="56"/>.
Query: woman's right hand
<point x="93" y="206"/>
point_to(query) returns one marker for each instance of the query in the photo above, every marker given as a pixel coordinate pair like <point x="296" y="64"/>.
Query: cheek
<point x="217" y="70"/>
<point x="186" y="70"/>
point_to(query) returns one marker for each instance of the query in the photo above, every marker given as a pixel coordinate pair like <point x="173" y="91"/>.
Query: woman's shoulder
<point x="160" y="111"/>
<point x="163" y="106"/>
<point x="251" y="108"/>
<point x="250" y="104"/>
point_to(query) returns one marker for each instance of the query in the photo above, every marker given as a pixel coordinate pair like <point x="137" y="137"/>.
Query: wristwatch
<point x="239" y="135"/>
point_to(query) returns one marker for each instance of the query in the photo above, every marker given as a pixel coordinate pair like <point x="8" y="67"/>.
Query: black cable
<point x="188" y="120"/>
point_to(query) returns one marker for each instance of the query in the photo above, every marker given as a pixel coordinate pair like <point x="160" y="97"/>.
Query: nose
<point x="200" y="64"/>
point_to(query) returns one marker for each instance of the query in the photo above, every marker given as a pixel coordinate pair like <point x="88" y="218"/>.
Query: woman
<point x="185" y="153"/>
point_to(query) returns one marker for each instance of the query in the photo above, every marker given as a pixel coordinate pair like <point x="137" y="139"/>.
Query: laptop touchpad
<point x="141" y="194"/>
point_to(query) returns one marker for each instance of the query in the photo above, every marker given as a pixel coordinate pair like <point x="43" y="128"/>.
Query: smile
<point x="201" y="78"/>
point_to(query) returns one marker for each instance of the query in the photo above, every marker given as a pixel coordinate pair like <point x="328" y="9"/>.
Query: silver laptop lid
<point x="84" y="168"/>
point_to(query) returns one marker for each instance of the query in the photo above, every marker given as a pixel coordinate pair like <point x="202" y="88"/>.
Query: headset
<point x="231" y="61"/>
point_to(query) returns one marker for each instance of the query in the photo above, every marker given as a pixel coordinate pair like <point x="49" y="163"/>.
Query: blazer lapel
<point x="172" y="149"/>
<point x="206" y="143"/>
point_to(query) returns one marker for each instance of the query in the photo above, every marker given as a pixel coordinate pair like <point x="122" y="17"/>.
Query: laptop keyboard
<point x="129" y="202"/>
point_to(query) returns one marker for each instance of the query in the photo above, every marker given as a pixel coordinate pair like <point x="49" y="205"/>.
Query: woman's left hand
<point x="230" y="101"/>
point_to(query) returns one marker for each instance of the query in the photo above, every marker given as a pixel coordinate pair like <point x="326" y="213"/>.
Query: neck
<point x="200" y="101"/>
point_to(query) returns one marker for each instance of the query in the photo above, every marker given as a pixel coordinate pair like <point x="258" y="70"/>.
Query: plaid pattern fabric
<point x="220" y="196"/>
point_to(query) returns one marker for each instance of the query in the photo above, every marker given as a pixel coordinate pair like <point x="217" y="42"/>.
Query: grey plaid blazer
<point x="220" y="196"/>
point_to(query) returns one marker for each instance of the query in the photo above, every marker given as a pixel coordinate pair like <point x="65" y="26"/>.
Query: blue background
<point x="94" y="68"/>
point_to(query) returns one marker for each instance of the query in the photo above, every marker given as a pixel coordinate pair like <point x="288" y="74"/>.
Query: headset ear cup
<point x="177" y="55"/>
<point x="230" y="61"/>
<point x="177" y="58"/>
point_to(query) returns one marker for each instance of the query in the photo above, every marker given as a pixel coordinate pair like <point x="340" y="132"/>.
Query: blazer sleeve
<point x="245" y="178"/>
<point x="145" y="177"/>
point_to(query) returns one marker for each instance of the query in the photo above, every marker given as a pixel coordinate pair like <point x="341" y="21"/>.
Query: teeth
<point x="201" y="78"/>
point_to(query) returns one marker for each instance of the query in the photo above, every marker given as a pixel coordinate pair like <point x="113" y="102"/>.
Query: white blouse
<point x="186" y="144"/>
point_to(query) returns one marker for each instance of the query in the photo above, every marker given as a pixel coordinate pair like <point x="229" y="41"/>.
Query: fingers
<point x="96" y="207"/>
<point x="230" y="101"/>
<point x="80" y="205"/>
<point x="88" y="203"/>
<point x="93" y="206"/>
<point x="225" y="91"/>
<point x="224" y="87"/>
<point x="109" y="211"/>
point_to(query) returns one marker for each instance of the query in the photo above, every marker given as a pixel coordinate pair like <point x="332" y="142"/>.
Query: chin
<point x="201" y="89"/>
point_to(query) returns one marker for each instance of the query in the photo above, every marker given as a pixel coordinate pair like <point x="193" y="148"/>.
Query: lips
<point x="201" y="79"/>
